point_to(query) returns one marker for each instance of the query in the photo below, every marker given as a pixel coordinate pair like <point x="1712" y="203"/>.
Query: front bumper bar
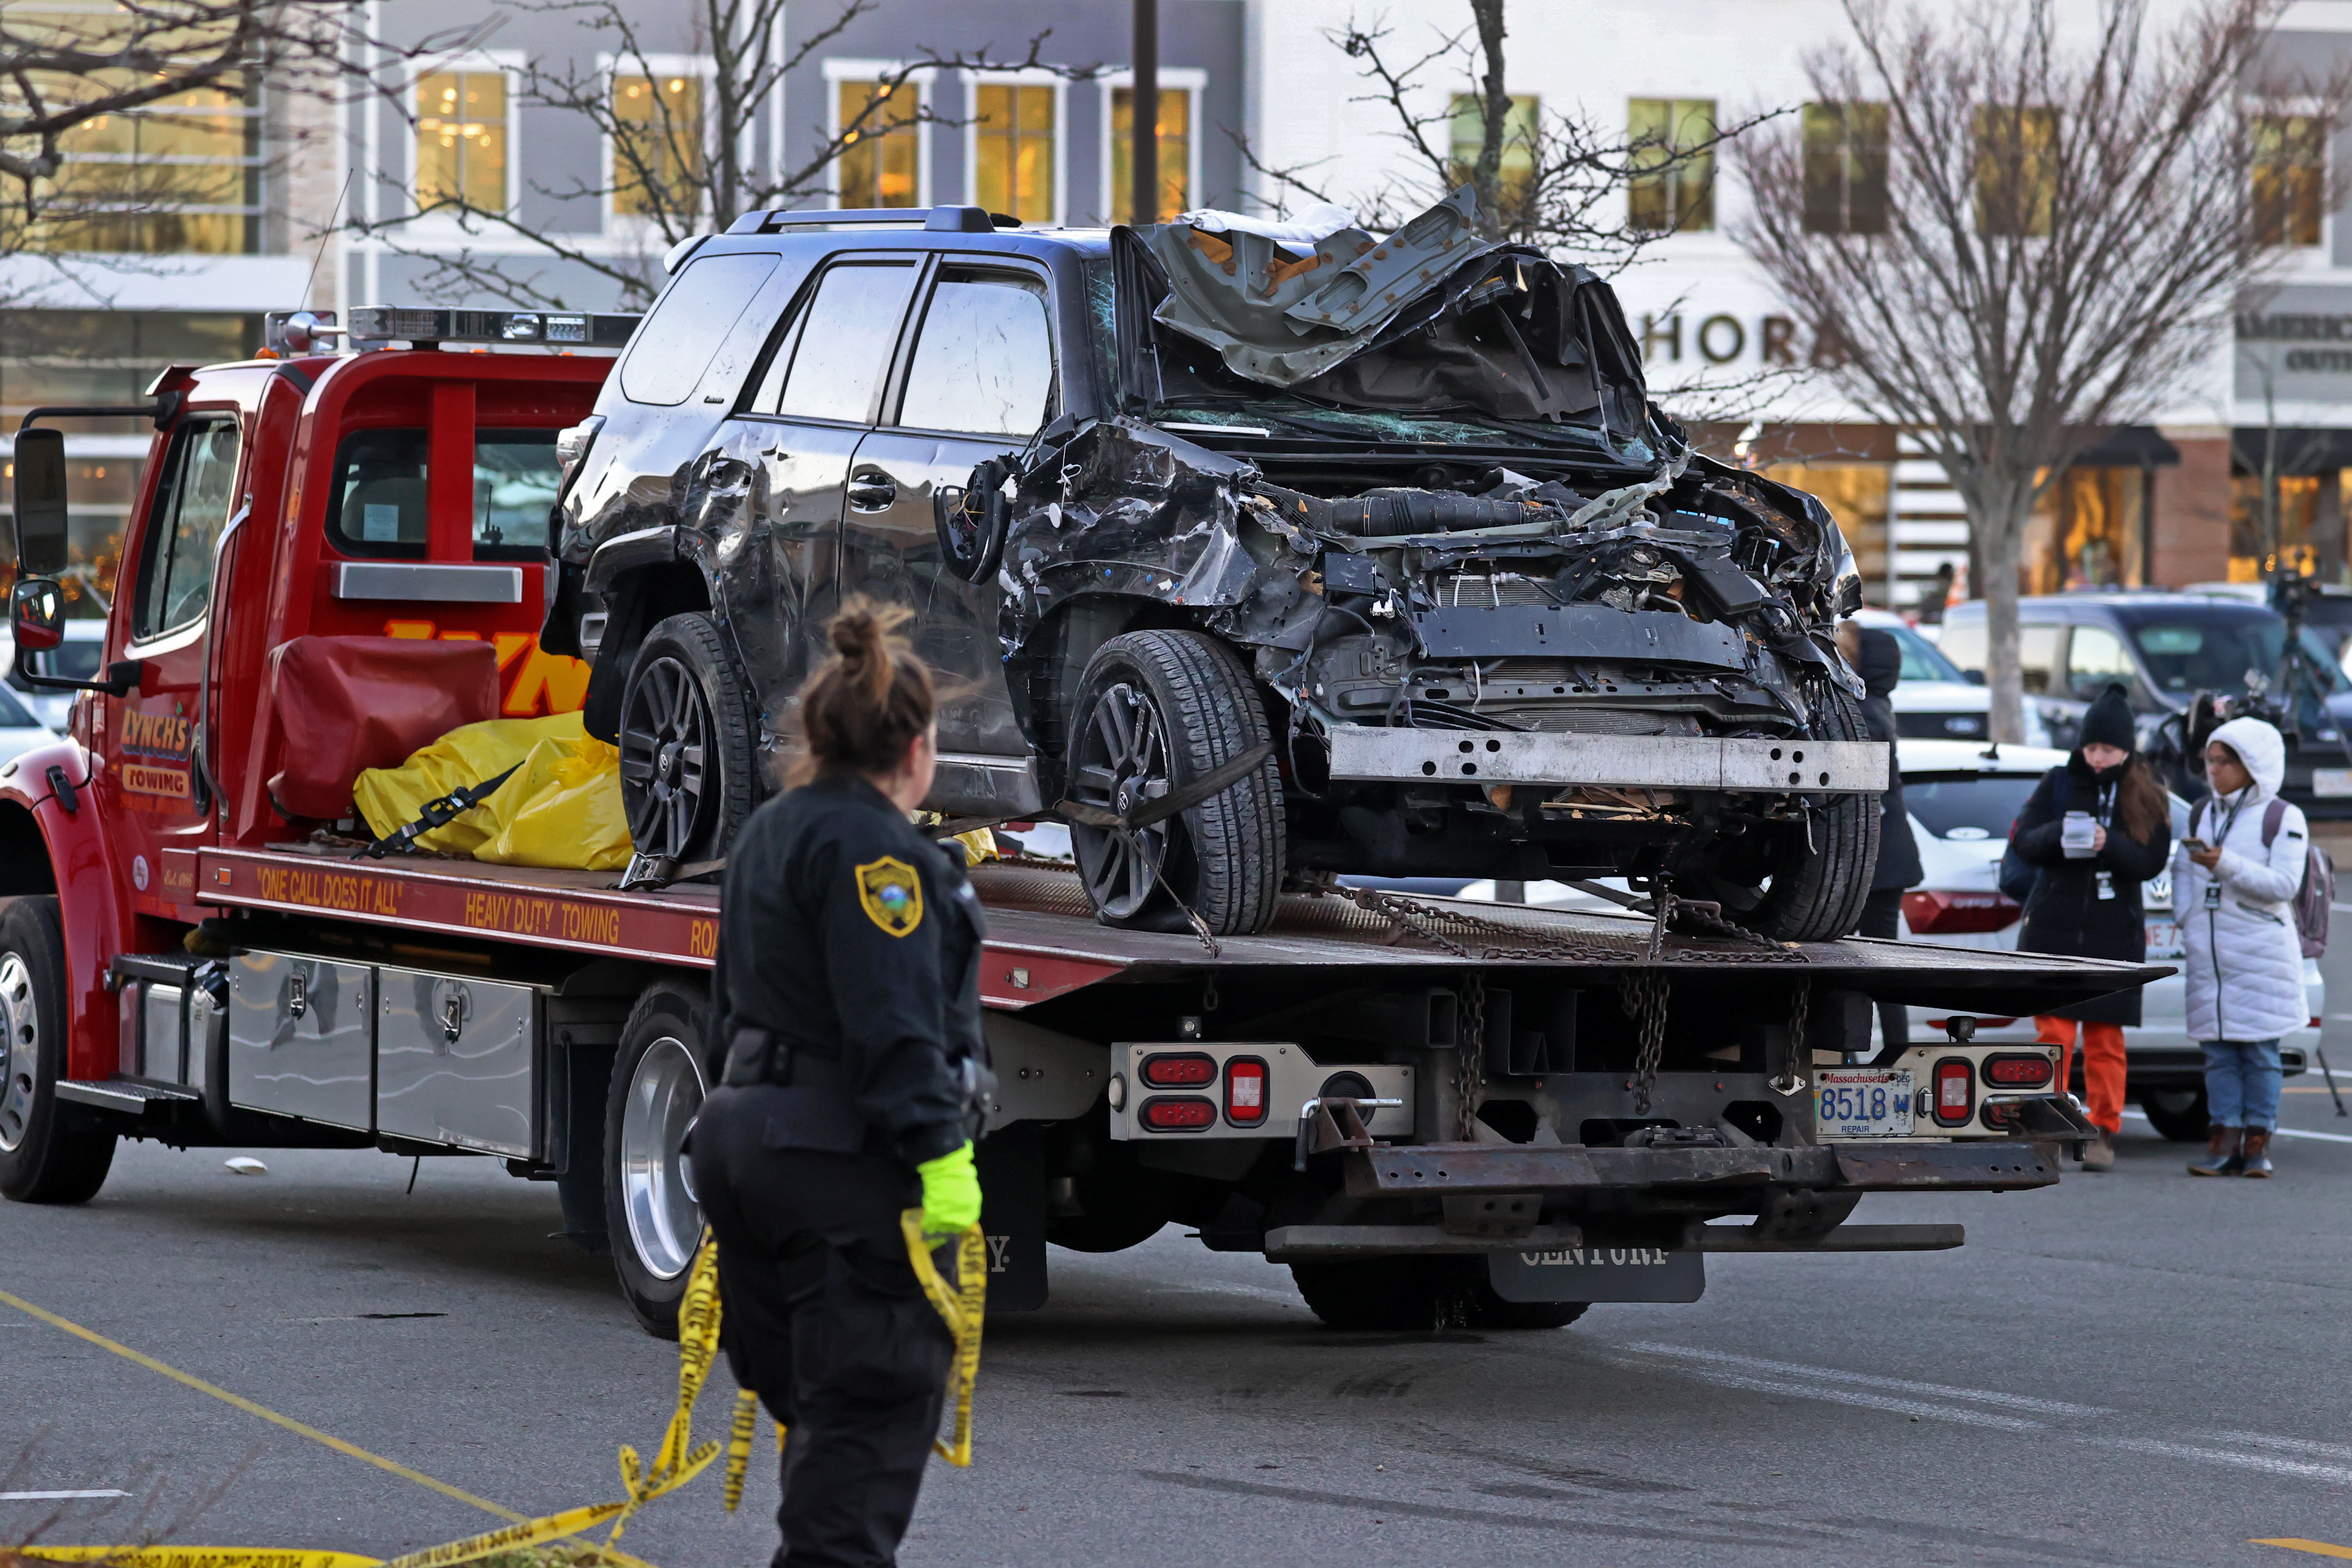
<point x="1307" y="1243"/>
<point x="1370" y="753"/>
<point x="2000" y="1165"/>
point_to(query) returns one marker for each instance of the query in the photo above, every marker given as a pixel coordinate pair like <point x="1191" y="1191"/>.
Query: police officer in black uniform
<point x="846" y="995"/>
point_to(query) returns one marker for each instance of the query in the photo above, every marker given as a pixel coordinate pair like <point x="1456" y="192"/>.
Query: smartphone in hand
<point x="2195" y="845"/>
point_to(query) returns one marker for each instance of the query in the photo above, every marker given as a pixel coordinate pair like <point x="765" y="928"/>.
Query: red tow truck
<point x="1422" y="1106"/>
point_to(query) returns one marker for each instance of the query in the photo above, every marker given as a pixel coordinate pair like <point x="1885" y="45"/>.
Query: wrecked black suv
<point x="1250" y="550"/>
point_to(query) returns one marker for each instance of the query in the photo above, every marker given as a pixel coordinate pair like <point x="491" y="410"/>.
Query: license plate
<point x="2163" y="938"/>
<point x="2331" y="781"/>
<point x="1861" y="1102"/>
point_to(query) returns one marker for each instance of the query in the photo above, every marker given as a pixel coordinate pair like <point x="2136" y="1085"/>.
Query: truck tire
<point x="689" y="741"/>
<point x="45" y="1158"/>
<point x="1821" y="879"/>
<point x="2179" y="1115"/>
<point x="652" y="1222"/>
<point x="1154" y="711"/>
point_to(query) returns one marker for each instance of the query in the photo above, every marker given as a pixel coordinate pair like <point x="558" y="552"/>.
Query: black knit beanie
<point x="2109" y="721"/>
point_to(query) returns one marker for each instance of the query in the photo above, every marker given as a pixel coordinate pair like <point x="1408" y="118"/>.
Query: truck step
<point x="119" y="1094"/>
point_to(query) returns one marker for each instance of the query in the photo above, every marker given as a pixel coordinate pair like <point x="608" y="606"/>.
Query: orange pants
<point x="2103" y="1065"/>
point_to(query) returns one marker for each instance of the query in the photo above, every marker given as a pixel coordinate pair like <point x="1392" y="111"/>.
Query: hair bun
<point x="857" y="634"/>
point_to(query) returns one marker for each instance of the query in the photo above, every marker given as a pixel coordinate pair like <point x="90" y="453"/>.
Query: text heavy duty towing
<point x="1422" y="1106"/>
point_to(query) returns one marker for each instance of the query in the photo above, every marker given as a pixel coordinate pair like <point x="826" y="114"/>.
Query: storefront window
<point x="877" y="167"/>
<point x="2087" y="532"/>
<point x="1856" y="494"/>
<point x="2308" y="535"/>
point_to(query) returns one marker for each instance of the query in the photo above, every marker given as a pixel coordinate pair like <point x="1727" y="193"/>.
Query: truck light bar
<point x="553" y="329"/>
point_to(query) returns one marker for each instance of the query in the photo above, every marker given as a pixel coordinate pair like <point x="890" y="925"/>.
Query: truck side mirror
<point x="40" y="495"/>
<point x="37" y="612"/>
<point x="970" y="522"/>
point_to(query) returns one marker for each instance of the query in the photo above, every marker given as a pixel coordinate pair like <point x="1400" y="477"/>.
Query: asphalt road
<point x="2134" y="1369"/>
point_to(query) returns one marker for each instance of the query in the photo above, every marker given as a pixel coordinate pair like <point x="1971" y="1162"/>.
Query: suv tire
<point x="45" y="1157"/>
<point x="689" y="741"/>
<point x="2179" y="1115"/>
<point x="1154" y="711"/>
<point x="1416" y="1295"/>
<point x="1821" y="880"/>
<point x="651" y="1217"/>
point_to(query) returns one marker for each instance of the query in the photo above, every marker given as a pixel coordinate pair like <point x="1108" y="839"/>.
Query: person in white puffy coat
<point x="2235" y="900"/>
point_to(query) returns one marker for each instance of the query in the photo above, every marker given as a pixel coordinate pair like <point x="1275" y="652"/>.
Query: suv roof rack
<point x="947" y="219"/>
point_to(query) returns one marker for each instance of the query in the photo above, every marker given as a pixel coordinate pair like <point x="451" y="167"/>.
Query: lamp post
<point x="1144" y="116"/>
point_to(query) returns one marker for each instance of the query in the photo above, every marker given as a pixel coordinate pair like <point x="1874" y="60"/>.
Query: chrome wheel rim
<point x="665" y="748"/>
<point x="20" y="1050"/>
<point x="1118" y="761"/>
<point x="657" y="1198"/>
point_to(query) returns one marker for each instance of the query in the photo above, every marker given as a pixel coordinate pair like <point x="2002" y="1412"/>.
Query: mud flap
<point x="1012" y="1165"/>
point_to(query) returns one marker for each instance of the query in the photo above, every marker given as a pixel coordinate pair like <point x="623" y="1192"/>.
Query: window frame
<point x="787" y="331"/>
<point x="611" y="68"/>
<point x="2034" y="208"/>
<point x="1189" y="79"/>
<point x="974" y="80"/>
<point x="1847" y="149"/>
<point x="910" y="331"/>
<point x="2323" y="240"/>
<point x="154" y="527"/>
<point x="253" y="162"/>
<point x="839" y="71"/>
<point x="1672" y="177"/>
<point x="508" y="63"/>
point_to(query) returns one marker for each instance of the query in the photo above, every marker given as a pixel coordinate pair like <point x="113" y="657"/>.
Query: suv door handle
<point x="871" y="492"/>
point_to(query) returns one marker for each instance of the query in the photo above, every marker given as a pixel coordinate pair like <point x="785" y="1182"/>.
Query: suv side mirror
<point x="970" y="522"/>
<point x="37" y="611"/>
<point x="40" y="496"/>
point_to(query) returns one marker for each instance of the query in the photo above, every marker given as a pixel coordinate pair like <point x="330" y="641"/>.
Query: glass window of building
<point x="1856" y="494"/>
<point x="182" y="174"/>
<point x="880" y="142"/>
<point x="2017" y="174"/>
<point x="2088" y="530"/>
<point x="1672" y="140"/>
<point x="461" y="140"/>
<point x="2290" y="167"/>
<point x="1175" y="151"/>
<point x="1012" y="136"/>
<point x="656" y="144"/>
<point x="1467" y="138"/>
<point x="1846" y="168"/>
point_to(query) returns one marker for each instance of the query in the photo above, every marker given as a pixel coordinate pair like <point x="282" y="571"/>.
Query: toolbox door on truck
<point x="163" y="615"/>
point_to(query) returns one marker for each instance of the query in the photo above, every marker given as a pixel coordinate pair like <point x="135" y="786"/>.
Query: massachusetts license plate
<point x="2331" y="781"/>
<point x="2163" y="939"/>
<point x="1861" y="1102"/>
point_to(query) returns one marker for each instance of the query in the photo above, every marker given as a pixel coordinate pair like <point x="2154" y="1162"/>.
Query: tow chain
<point x="1789" y="1079"/>
<point x="1643" y="995"/>
<point x="1431" y="925"/>
<point x="1470" y="1060"/>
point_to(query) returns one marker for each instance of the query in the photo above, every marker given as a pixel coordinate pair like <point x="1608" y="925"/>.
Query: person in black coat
<point x="2086" y="898"/>
<point x="1878" y="660"/>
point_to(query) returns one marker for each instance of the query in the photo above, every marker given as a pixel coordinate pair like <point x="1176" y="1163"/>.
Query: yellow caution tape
<point x="961" y="1309"/>
<point x="197" y="1557"/>
<point x="675" y="1463"/>
<point x="513" y="1537"/>
<point x="738" y="1446"/>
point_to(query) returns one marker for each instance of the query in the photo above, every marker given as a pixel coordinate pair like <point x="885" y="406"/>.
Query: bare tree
<point x="1544" y="176"/>
<point x="2017" y="243"/>
<point x="683" y="165"/>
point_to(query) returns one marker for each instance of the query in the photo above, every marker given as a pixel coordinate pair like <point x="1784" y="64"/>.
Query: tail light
<point x="1177" y="1114"/>
<point x="2018" y="1070"/>
<point x="1941" y="912"/>
<point x="1246" y="1086"/>
<point x="1954" y="1088"/>
<point x="1179" y="1069"/>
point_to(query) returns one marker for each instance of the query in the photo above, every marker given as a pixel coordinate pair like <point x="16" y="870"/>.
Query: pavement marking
<point x="2302" y="1469"/>
<point x="2281" y="1132"/>
<point x="1899" y="1384"/>
<point x="250" y="1409"/>
<point x="2291" y="1444"/>
<point x="58" y="1497"/>
<point x="2296" y="1543"/>
<point x="1915" y="1407"/>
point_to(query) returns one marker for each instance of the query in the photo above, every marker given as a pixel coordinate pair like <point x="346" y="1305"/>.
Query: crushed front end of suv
<point x="1257" y="553"/>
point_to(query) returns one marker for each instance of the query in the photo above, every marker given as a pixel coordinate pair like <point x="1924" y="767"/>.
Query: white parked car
<point x="1962" y="800"/>
<point x="76" y="658"/>
<point x="1934" y="701"/>
<point x="19" y="731"/>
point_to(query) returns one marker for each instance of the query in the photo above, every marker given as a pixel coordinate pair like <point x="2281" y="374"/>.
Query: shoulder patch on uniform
<point x="892" y="895"/>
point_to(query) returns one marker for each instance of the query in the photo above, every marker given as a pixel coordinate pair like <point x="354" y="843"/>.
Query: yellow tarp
<point x="560" y="809"/>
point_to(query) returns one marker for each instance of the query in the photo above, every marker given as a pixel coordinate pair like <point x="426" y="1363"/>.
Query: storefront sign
<point x="2296" y="346"/>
